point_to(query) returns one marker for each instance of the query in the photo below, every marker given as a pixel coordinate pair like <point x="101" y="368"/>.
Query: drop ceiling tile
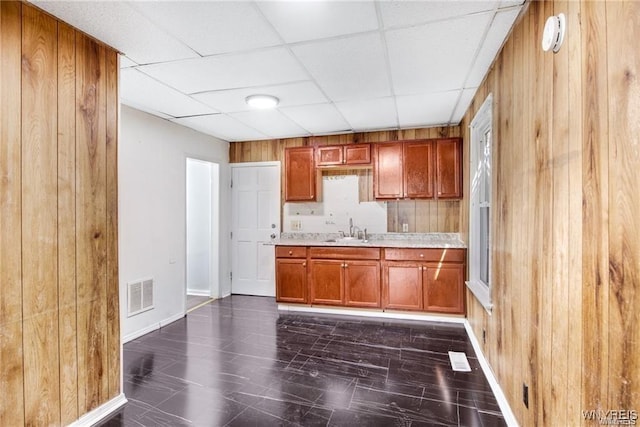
<point x="221" y="126"/>
<point x="119" y="25"/>
<point x="231" y="101"/>
<point x="317" y="119"/>
<point x="434" y="57"/>
<point x="141" y="89"/>
<point x="369" y="114"/>
<point x="258" y="68"/>
<point x="126" y="62"/>
<point x="212" y="27"/>
<point x="310" y="20"/>
<point x="429" y="109"/>
<point x="270" y="122"/>
<point x="500" y="27"/>
<point x="347" y="68"/>
<point x="407" y="13"/>
<point x="463" y="105"/>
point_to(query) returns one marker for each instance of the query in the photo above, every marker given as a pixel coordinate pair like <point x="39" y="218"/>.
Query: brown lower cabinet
<point x="291" y="274"/>
<point x="345" y="276"/>
<point x="424" y="279"/>
<point x="430" y="280"/>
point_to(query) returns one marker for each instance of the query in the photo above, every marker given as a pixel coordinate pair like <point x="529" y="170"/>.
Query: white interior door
<point x="255" y="211"/>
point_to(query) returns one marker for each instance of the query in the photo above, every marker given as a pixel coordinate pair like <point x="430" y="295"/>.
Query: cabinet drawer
<point x="291" y="252"/>
<point x="430" y="254"/>
<point x="344" y="253"/>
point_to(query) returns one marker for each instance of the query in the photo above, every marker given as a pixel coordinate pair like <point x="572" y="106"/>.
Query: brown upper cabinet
<point x="448" y="168"/>
<point x="331" y="156"/>
<point x="420" y="169"/>
<point x="387" y="171"/>
<point x="300" y="181"/>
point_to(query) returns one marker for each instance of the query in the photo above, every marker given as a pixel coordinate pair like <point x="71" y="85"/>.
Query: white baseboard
<point x="101" y="412"/>
<point x="153" y="327"/>
<point x="507" y="413"/>
<point x="198" y="292"/>
<point x="371" y="313"/>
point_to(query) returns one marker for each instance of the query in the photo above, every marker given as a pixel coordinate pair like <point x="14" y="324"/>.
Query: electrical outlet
<point x="296" y="225"/>
<point x="405" y="228"/>
<point x="525" y="395"/>
<point x="484" y="336"/>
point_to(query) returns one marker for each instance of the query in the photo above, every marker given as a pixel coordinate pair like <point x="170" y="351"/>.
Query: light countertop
<point x="377" y="240"/>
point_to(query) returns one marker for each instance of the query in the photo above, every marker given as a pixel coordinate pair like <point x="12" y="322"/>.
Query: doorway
<point x="203" y="213"/>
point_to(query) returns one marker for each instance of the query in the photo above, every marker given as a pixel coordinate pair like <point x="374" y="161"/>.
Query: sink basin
<point x="345" y="239"/>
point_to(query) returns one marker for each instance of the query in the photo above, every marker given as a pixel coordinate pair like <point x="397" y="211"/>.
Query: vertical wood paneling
<point x="595" y="249"/>
<point x="113" y="288"/>
<point x="11" y="355"/>
<point x="560" y="234"/>
<point x="91" y="270"/>
<point x="516" y="190"/>
<point x="567" y="261"/>
<point x="529" y="298"/>
<point x="574" y="342"/>
<point x="623" y="29"/>
<point x="58" y="135"/>
<point x="67" y="224"/>
<point x="39" y="221"/>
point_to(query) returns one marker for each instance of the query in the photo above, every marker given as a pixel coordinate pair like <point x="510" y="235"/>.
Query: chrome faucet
<point x="350" y="227"/>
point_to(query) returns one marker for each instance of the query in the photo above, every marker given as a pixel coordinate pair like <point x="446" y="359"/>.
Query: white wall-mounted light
<point x="553" y="34"/>
<point x="262" y="101"/>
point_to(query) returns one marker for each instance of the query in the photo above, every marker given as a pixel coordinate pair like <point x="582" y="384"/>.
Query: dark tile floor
<point x="239" y="362"/>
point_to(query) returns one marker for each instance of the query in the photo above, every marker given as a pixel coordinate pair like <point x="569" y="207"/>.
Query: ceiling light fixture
<point x="262" y="101"/>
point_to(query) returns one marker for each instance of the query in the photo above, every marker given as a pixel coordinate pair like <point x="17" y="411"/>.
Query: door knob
<point x="273" y="235"/>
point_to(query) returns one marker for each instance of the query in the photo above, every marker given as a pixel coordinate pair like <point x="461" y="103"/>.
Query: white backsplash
<point x="339" y="203"/>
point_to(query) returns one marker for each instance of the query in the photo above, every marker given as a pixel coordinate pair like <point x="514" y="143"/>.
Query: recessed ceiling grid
<point x="336" y="66"/>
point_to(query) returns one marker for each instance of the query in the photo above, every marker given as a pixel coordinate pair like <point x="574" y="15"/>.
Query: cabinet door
<point x="443" y="287"/>
<point x="362" y="283"/>
<point x="300" y="174"/>
<point x="357" y="154"/>
<point x="291" y="280"/>
<point x="402" y="285"/>
<point x="330" y="155"/>
<point x="449" y="168"/>
<point x="418" y="170"/>
<point x="387" y="171"/>
<point x="327" y="282"/>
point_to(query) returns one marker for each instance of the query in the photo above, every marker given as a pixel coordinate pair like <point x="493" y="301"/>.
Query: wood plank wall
<point x="423" y="216"/>
<point x="566" y="253"/>
<point x="59" y="315"/>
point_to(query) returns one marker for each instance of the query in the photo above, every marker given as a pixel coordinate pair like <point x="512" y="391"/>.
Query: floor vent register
<point x="459" y="361"/>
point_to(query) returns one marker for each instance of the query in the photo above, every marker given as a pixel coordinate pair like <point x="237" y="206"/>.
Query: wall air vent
<point x="139" y="296"/>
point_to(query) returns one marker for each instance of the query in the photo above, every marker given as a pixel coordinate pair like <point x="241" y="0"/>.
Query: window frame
<point x="480" y="185"/>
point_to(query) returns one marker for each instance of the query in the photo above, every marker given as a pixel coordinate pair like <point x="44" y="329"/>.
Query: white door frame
<point x="214" y="264"/>
<point x="233" y="166"/>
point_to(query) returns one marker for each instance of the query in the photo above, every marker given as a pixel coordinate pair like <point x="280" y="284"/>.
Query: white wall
<point x="339" y="203"/>
<point x="152" y="212"/>
<point x="199" y="210"/>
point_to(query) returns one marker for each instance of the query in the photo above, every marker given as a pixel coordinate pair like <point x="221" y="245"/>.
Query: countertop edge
<point x="372" y="244"/>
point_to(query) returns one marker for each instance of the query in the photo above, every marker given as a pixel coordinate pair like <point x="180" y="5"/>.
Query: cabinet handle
<point x="421" y="255"/>
<point x="290" y="252"/>
<point x="346" y="265"/>
<point x="304" y="264"/>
